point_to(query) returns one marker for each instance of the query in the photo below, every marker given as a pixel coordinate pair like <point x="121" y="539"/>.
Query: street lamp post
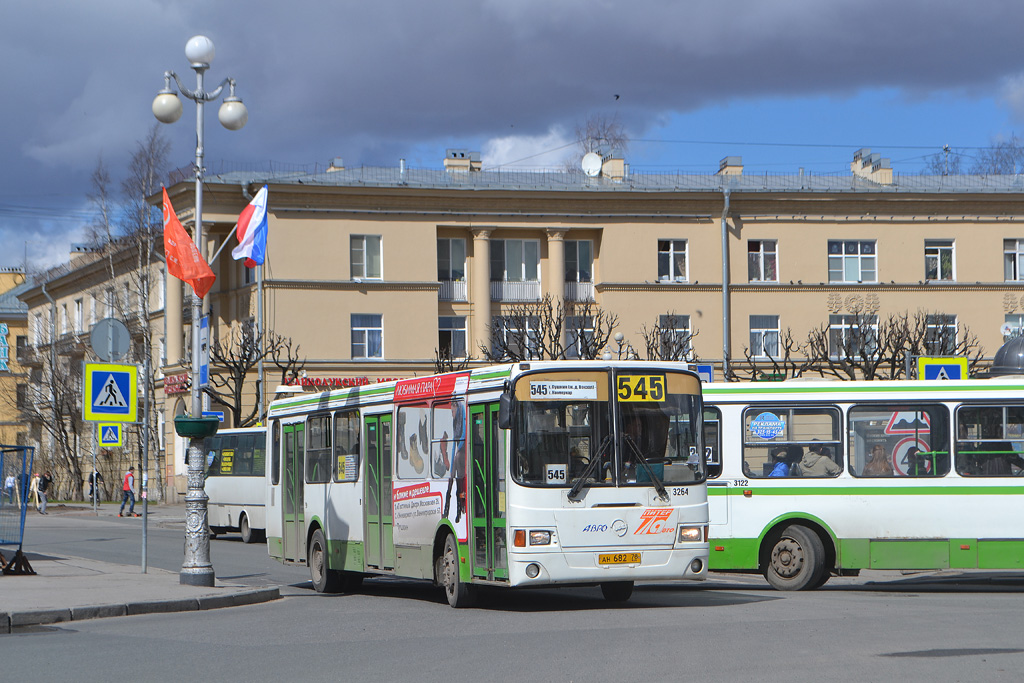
<point x="197" y="569"/>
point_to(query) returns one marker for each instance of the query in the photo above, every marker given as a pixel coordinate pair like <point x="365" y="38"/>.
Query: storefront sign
<point x="176" y="384"/>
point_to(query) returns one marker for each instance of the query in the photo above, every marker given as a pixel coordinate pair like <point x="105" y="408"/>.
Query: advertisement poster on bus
<point x="430" y="474"/>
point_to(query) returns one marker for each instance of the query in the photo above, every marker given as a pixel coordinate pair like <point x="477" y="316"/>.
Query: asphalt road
<point x="880" y="627"/>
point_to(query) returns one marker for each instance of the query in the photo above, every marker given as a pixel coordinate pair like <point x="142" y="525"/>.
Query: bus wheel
<point x="246" y="531"/>
<point x="617" y="591"/>
<point x="797" y="560"/>
<point x="324" y="579"/>
<point x="459" y="594"/>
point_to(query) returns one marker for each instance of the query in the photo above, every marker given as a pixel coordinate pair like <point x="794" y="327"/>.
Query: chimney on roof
<point x="872" y="167"/>
<point x="337" y="164"/>
<point x="613" y="165"/>
<point x="461" y="161"/>
<point x="731" y="166"/>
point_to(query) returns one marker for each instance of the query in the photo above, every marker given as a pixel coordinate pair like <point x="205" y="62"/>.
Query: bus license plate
<point x="619" y="558"/>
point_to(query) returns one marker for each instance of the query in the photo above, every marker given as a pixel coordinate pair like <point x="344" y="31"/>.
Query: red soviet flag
<point x="183" y="259"/>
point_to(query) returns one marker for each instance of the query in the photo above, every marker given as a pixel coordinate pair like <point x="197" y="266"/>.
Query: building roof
<point x="576" y="181"/>
<point x="10" y="305"/>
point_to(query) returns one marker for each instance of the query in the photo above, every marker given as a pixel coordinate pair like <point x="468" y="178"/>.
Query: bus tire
<point x="796" y="560"/>
<point x="617" y="591"/>
<point x="325" y="580"/>
<point x="459" y="594"/>
<point x="245" y="529"/>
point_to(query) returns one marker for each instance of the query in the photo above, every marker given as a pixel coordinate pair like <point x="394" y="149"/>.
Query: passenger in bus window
<point x="918" y="464"/>
<point x="815" y="463"/>
<point x="787" y="460"/>
<point x="878" y="464"/>
<point x="998" y="460"/>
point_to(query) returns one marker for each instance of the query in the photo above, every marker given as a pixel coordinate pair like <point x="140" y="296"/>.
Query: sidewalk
<point x="73" y="589"/>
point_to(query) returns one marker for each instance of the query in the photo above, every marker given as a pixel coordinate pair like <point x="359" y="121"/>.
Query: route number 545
<point x="641" y="387"/>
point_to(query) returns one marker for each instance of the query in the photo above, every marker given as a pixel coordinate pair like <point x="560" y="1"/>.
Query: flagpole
<point x="259" y="336"/>
<point x="226" y="240"/>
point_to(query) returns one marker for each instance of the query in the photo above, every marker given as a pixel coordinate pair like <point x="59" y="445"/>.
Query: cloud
<point x="532" y="151"/>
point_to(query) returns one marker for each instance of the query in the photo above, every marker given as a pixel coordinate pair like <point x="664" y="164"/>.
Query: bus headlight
<point x="540" y="537"/>
<point x="690" y="534"/>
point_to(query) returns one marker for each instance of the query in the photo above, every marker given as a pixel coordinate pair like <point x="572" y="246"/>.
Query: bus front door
<point x="293" y="528"/>
<point x="487" y="499"/>
<point x="380" y="545"/>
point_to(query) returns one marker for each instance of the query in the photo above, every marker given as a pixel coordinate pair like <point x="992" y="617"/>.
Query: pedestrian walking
<point x="8" y="488"/>
<point x="128" y="489"/>
<point x="95" y="482"/>
<point x="44" y="487"/>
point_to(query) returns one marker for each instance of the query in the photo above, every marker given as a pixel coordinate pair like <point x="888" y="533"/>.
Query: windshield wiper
<point x="574" y="492"/>
<point x="662" y="493"/>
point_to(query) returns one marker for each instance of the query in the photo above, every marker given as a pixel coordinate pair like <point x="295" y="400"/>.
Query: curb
<point x="13" y="620"/>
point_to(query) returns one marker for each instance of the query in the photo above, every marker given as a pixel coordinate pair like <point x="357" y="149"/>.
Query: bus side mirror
<point x="505" y="411"/>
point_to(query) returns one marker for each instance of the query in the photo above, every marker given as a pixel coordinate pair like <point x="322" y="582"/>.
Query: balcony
<point x="452" y="290"/>
<point x="528" y="290"/>
<point x="579" y="291"/>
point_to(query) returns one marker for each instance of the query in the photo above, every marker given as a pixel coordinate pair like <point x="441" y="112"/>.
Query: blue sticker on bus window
<point x="767" y="425"/>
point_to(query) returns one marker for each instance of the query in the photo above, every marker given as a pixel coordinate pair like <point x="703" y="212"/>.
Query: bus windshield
<point x="647" y="432"/>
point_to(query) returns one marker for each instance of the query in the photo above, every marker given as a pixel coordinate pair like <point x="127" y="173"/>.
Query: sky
<point x="785" y="84"/>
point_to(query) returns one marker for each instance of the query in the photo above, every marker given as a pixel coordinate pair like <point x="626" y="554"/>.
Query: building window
<point x="109" y="303"/>
<point x="515" y="260"/>
<point x="940" y="335"/>
<point x="78" y="315"/>
<point x="762" y="261"/>
<point x="515" y="337"/>
<point x="579" y="337"/>
<point x="579" y="261"/>
<point x="675" y="337"/>
<point x="21" y="396"/>
<point x="852" y="335"/>
<point x="938" y="260"/>
<point x="852" y="261"/>
<point x="672" y="261"/>
<point x="248" y="274"/>
<point x="364" y="251"/>
<point x="37" y="329"/>
<point x="764" y="336"/>
<point x="451" y="336"/>
<point x="451" y="259"/>
<point x="161" y="290"/>
<point x="367" y="335"/>
<point x="1013" y="260"/>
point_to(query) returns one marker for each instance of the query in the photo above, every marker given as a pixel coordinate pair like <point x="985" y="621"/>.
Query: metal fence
<point x="15" y="477"/>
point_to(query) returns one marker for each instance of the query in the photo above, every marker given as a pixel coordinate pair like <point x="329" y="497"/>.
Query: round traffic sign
<point x="110" y="339"/>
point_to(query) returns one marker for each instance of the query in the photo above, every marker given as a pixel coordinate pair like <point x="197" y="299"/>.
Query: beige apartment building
<point x="372" y="270"/>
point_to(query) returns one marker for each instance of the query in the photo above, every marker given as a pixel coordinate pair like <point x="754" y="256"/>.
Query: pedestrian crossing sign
<point x="111" y="392"/>
<point x="941" y="368"/>
<point x="111" y="435"/>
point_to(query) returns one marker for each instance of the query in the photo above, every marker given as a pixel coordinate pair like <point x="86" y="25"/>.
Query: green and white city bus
<point x="529" y="474"/>
<point x="813" y="478"/>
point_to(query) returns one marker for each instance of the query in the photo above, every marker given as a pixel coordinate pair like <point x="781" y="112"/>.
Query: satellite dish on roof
<point x="591" y="164"/>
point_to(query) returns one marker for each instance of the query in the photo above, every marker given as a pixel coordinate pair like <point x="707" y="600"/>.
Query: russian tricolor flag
<point x="252" y="231"/>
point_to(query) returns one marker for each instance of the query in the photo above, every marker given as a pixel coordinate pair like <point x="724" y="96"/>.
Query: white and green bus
<point x="529" y="474"/>
<point x="810" y="479"/>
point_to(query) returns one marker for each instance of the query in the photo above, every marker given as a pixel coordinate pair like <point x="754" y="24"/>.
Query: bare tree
<point x="792" y="359"/>
<point x="598" y="133"/>
<point x="444" y="361"/>
<point x="1004" y="157"/>
<point x="550" y="329"/>
<point x="233" y="359"/>
<point x="669" y="339"/>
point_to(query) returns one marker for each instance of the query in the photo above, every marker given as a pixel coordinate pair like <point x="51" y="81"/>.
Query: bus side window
<point x="899" y="440"/>
<point x="713" y="442"/>
<point x="211" y="448"/>
<point x="243" y="455"/>
<point x="346" y="446"/>
<point x="275" y="453"/>
<point x="318" y="449"/>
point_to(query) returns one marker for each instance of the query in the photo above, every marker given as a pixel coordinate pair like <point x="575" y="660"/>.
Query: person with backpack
<point x="43" y="486"/>
<point x="128" y="489"/>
